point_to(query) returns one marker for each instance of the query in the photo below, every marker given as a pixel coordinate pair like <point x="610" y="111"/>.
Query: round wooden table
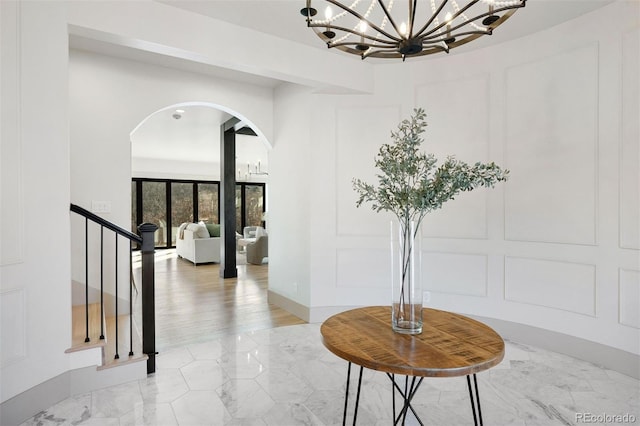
<point x="449" y="345"/>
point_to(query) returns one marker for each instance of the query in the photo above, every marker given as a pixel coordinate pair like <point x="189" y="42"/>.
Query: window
<point x="181" y="206"/>
<point x="253" y="204"/>
<point x="208" y="202"/>
<point x="154" y="209"/>
<point x="134" y="207"/>
<point x="239" y="223"/>
<point x="167" y="203"/>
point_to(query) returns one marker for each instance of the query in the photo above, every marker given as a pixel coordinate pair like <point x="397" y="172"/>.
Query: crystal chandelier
<point x="385" y="29"/>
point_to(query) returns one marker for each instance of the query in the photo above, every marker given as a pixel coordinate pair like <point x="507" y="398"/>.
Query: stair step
<point x="108" y="343"/>
<point x="109" y="351"/>
<point x="78" y="327"/>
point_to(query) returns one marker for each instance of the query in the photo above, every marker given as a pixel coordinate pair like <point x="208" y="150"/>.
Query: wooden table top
<point x="450" y="344"/>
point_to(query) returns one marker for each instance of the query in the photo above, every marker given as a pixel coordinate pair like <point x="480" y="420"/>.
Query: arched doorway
<point x="179" y="146"/>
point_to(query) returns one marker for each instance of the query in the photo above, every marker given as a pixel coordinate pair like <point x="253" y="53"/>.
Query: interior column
<point x="228" y="268"/>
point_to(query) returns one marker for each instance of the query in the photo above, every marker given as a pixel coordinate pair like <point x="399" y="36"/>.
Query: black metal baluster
<point x="101" y="282"/>
<point x="130" y="301"/>
<point x="86" y="279"/>
<point x="117" y="355"/>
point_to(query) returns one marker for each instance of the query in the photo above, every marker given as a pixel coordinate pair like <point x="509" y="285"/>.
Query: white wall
<point x="35" y="302"/>
<point x="557" y="246"/>
<point x="291" y="173"/>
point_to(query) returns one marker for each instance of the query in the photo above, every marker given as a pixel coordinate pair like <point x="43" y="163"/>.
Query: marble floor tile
<point x="206" y="350"/>
<point x="150" y="414"/>
<point x="204" y="374"/>
<point x="245" y="398"/>
<point x="285" y="377"/>
<point x="115" y="401"/>
<point x="165" y="385"/>
<point x="291" y="414"/>
<point x="200" y="408"/>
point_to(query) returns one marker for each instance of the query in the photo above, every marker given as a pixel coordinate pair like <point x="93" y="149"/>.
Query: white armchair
<point x="258" y="250"/>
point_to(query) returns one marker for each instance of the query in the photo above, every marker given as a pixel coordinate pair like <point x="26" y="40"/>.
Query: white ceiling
<point x="193" y="137"/>
<point x="161" y="136"/>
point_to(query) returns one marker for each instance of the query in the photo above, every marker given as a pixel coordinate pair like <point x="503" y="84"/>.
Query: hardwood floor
<point x="194" y="304"/>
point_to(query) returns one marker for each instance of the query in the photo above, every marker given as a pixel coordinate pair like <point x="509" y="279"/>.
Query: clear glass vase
<point x="406" y="277"/>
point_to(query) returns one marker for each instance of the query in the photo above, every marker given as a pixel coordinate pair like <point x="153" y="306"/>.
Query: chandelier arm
<point x="362" y="18"/>
<point x="412" y="16"/>
<point x="390" y="18"/>
<point x="439" y="47"/>
<point x="433" y="17"/>
<point x="476" y="18"/>
<point x="357" y="34"/>
<point x="394" y="54"/>
<point x="349" y="44"/>
<point x="444" y="23"/>
<point x="437" y="38"/>
<point x="372" y="53"/>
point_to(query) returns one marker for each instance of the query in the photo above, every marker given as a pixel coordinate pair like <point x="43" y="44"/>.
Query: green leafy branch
<point x="411" y="184"/>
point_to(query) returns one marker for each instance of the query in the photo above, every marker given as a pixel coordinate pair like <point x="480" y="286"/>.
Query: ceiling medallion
<point x="385" y="29"/>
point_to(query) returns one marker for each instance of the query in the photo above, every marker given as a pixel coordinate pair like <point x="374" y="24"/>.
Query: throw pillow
<point x="199" y="231"/>
<point x="260" y="231"/>
<point x="214" y="229"/>
<point x="181" y="229"/>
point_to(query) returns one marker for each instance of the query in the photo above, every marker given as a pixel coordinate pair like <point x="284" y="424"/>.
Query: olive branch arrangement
<point x="411" y="184"/>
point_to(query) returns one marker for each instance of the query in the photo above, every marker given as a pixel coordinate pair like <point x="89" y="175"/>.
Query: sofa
<point x="198" y="242"/>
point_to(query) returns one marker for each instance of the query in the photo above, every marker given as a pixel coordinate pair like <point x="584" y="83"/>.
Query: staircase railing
<point x="146" y="242"/>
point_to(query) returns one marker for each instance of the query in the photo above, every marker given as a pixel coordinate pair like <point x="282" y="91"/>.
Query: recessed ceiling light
<point x="180" y="111"/>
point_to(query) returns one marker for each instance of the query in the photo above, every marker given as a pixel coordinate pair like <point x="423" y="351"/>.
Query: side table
<point x="450" y="345"/>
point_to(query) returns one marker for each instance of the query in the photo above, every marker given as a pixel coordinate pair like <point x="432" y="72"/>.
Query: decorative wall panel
<point x="359" y="134"/>
<point x="464" y="274"/>
<point x="560" y="285"/>
<point x="446" y="103"/>
<point x="629" y="287"/>
<point x="551" y="148"/>
<point x="11" y="208"/>
<point x="363" y="268"/>
<point x="12" y="326"/>
<point x="630" y="149"/>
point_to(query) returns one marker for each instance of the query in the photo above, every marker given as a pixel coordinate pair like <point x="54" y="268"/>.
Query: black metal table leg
<point x="407" y="396"/>
<point x="346" y="397"/>
<point x="477" y="415"/>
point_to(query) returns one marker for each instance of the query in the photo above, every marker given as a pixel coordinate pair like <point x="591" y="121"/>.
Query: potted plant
<point x="410" y="185"/>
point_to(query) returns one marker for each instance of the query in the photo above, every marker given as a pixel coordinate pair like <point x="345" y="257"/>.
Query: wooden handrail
<point x="115" y="228"/>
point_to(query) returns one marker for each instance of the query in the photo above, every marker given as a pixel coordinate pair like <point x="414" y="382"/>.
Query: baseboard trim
<point x="624" y="362"/>
<point x="21" y="407"/>
<point x="291" y="306"/>
<point x="30" y="402"/>
<point x="605" y="356"/>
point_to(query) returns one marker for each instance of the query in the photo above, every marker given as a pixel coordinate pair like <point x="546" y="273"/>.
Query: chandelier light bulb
<point x="363" y="27"/>
<point x="447" y="18"/>
<point x="328" y="13"/>
<point x="403" y="29"/>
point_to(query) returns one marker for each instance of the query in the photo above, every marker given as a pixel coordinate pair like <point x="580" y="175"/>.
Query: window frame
<point x="139" y="195"/>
